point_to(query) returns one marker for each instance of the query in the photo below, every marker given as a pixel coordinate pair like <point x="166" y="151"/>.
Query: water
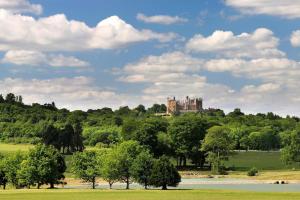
<point x="219" y="184"/>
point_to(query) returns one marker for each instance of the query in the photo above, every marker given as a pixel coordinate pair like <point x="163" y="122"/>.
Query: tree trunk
<point x="127" y="184"/>
<point x="110" y="185"/>
<point x="146" y="185"/>
<point x="4" y="186"/>
<point x="184" y="161"/>
<point x="38" y="186"/>
<point x="164" y="187"/>
<point x="51" y="185"/>
<point x="94" y="180"/>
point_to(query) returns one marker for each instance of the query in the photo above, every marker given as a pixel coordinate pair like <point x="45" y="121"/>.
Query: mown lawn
<point x="142" y="195"/>
<point x="243" y="161"/>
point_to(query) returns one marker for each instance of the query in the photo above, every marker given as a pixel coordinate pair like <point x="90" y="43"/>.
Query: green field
<point x="240" y="161"/>
<point x="243" y="161"/>
<point x="143" y="195"/>
<point x="11" y="148"/>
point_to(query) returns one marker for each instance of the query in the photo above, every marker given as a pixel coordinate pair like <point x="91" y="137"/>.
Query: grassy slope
<point x="143" y="195"/>
<point x="243" y="161"/>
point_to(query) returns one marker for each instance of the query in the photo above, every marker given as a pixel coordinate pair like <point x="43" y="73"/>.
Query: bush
<point x="252" y="172"/>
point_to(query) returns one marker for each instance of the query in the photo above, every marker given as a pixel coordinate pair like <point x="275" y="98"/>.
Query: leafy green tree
<point x="186" y="132"/>
<point x="140" y="109"/>
<point x="157" y="108"/>
<point x="3" y="179"/>
<point x="142" y="167"/>
<point x="1" y="98"/>
<point x="218" y="144"/>
<point x="147" y="133"/>
<point x="110" y="168"/>
<point x="10" y="166"/>
<point x="125" y="154"/>
<point x="85" y="165"/>
<point x="43" y="165"/>
<point x="164" y="174"/>
<point x="27" y="175"/>
<point x="10" y="98"/>
<point x="291" y="146"/>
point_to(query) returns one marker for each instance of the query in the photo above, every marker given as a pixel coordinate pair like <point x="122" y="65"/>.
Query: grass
<point x="143" y="195"/>
<point x="243" y="161"/>
<point x="11" y="148"/>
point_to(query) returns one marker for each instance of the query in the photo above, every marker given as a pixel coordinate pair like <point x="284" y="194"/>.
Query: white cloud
<point x="57" y="33"/>
<point x="295" y="38"/>
<point x="73" y="93"/>
<point x="35" y="58"/>
<point x="289" y="9"/>
<point x="161" y="19"/>
<point x="179" y="74"/>
<point x="279" y="70"/>
<point x="260" y="43"/>
<point x="21" y="6"/>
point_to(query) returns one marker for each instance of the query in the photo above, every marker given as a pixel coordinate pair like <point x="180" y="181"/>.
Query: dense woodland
<point x="200" y="139"/>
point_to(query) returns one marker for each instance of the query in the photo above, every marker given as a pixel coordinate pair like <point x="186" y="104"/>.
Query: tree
<point x="10" y="166"/>
<point x="147" y="133"/>
<point x="125" y="154"/>
<point x="44" y="165"/>
<point x="142" y="167"/>
<point x="3" y="179"/>
<point x="291" y="146"/>
<point x="218" y="144"/>
<point x="140" y="109"/>
<point x="85" y="165"/>
<point x="109" y="169"/>
<point x="164" y="174"/>
<point x="1" y="98"/>
<point x="77" y="137"/>
<point x="10" y="98"/>
<point x="186" y="132"/>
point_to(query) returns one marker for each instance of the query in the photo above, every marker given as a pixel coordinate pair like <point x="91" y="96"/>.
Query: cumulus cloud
<point x="35" y="58"/>
<point x="289" y="9"/>
<point x="161" y="19"/>
<point x="21" y="6"/>
<point x="180" y="74"/>
<point x="295" y="38"/>
<point x="73" y="93"/>
<point x="260" y="43"/>
<point x="57" y="33"/>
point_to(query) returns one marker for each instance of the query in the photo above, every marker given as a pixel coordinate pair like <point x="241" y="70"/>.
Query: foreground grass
<point x="143" y="195"/>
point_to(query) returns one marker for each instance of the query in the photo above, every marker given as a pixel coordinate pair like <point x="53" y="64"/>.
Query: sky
<point x="111" y="53"/>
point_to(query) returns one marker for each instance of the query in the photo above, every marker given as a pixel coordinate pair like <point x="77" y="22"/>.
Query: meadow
<point x="262" y="160"/>
<point x="143" y="195"/>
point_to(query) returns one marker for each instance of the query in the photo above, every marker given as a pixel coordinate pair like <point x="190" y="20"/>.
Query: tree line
<point x="190" y="139"/>
<point x="126" y="162"/>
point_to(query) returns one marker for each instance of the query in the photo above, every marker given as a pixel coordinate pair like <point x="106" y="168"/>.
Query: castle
<point x="182" y="106"/>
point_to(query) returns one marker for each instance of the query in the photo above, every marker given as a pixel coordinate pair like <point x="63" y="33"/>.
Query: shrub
<point x="252" y="172"/>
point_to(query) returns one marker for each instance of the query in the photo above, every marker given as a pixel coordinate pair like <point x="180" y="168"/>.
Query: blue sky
<point x="96" y="53"/>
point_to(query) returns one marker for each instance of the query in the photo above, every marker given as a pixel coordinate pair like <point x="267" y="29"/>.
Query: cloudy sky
<point x="96" y="53"/>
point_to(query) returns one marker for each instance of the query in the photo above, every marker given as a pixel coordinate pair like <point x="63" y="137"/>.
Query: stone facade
<point x="182" y="106"/>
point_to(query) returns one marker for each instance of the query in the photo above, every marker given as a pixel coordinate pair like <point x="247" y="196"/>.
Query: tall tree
<point x="219" y="145"/>
<point x="44" y="165"/>
<point x="125" y="153"/>
<point x="85" y="165"/>
<point x="186" y="132"/>
<point x="291" y="146"/>
<point x="164" y="174"/>
<point x="142" y="167"/>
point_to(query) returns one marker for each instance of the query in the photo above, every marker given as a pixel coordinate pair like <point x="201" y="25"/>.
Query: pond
<point x="219" y="184"/>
